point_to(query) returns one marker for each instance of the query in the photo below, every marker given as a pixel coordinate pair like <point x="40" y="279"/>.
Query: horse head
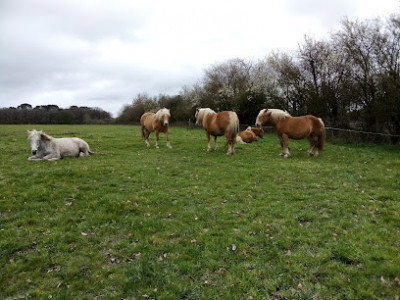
<point x="263" y="117"/>
<point x="163" y="116"/>
<point x="201" y="113"/>
<point x="34" y="138"/>
<point x="196" y="115"/>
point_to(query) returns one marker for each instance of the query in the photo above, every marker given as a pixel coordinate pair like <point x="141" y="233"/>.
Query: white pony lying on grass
<point x="45" y="147"/>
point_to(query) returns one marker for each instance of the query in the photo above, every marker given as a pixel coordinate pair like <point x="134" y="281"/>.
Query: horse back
<point x="294" y="127"/>
<point x="146" y="120"/>
<point x="220" y="123"/>
<point x="300" y="127"/>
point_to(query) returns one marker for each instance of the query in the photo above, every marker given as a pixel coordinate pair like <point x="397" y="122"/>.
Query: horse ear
<point x="197" y="110"/>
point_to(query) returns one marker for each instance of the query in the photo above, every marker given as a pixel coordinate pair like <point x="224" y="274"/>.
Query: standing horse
<point x="218" y="124"/>
<point x="158" y="122"/>
<point x="296" y="128"/>
<point x="45" y="147"/>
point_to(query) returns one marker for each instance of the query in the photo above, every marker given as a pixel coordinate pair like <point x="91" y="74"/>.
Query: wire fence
<point x="356" y="136"/>
<point x="344" y="135"/>
<point x="350" y="136"/>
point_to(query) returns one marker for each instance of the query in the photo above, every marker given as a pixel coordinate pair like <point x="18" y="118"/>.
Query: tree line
<point x="52" y="114"/>
<point x="351" y="80"/>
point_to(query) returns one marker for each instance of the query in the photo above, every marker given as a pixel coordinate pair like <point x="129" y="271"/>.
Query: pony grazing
<point x="157" y="122"/>
<point x="246" y="136"/>
<point x="45" y="147"/>
<point x="296" y="128"/>
<point x="219" y="124"/>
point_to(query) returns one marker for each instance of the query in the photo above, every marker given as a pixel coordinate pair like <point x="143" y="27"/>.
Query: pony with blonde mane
<point x="258" y="131"/>
<point x="297" y="128"/>
<point x="157" y="122"/>
<point x="219" y="124"/>
<point x="246" y="136"/>
<point x="45" y="147"/>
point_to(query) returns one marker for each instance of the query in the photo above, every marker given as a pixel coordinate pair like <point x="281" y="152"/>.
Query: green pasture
<point x="136" y="223"/>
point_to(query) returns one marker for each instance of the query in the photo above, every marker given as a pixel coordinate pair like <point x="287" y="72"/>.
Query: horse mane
<point x="277" y="114"/>
<point x="162" y="112"/>
<point x="46" y="137"/>
<point x="43" y="136"/>
<point x="202" y="112"/>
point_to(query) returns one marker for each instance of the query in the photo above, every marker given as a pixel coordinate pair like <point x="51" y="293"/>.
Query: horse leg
<point x="320" y="142"/>
<point x="285" y="146"/>
<point x="317" y="145"/>
<point x="313" y="142"/>
<point x="35" y="157"/>
<point x="231" y="149"/>
<point x="52" y="156"/>
<point x="208" y="142"/>
<point x="281" y="142"/>
<point x="167" y="138"/>
<point x="146" y="135"/>
<point x="231" y="144"/>
<point x="310" y="151"/>
<point x="157" y="138"/>
<point x="215" y="142"/>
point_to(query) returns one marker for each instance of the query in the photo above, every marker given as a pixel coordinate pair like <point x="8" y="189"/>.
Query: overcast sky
<point x="101" y="53"/>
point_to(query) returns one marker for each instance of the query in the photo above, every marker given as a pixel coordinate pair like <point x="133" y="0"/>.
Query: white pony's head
<point x="34" y="138"/>
<point x="163" y="116"/>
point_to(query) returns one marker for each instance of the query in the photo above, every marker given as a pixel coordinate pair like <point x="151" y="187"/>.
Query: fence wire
<point x="350" y="135"/>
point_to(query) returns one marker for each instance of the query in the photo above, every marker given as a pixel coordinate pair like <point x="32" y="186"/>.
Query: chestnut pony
<point x="258" y="131"/>
<point x="157" y="122"/>
<point x="246" y="136"/>
<point x="218" y="124"/>
<point x="296" y="128"/>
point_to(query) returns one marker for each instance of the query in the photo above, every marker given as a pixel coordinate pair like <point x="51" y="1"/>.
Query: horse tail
<point x="322" y="135"/>
<point x="233" y="125"/>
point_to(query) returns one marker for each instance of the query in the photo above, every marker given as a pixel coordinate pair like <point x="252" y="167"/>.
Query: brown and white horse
<point x="258" y="131"/>
<point x="219" y="124"/>
<point x="157" y="122"/>
<point x="296" y="128"/>
<point x="246" y="136"/>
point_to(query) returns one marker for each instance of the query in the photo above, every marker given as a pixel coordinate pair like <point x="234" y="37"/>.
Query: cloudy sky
<point x="101" y="53"/>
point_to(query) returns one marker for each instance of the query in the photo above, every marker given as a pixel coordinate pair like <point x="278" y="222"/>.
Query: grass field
<point x="181" y="223"/>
